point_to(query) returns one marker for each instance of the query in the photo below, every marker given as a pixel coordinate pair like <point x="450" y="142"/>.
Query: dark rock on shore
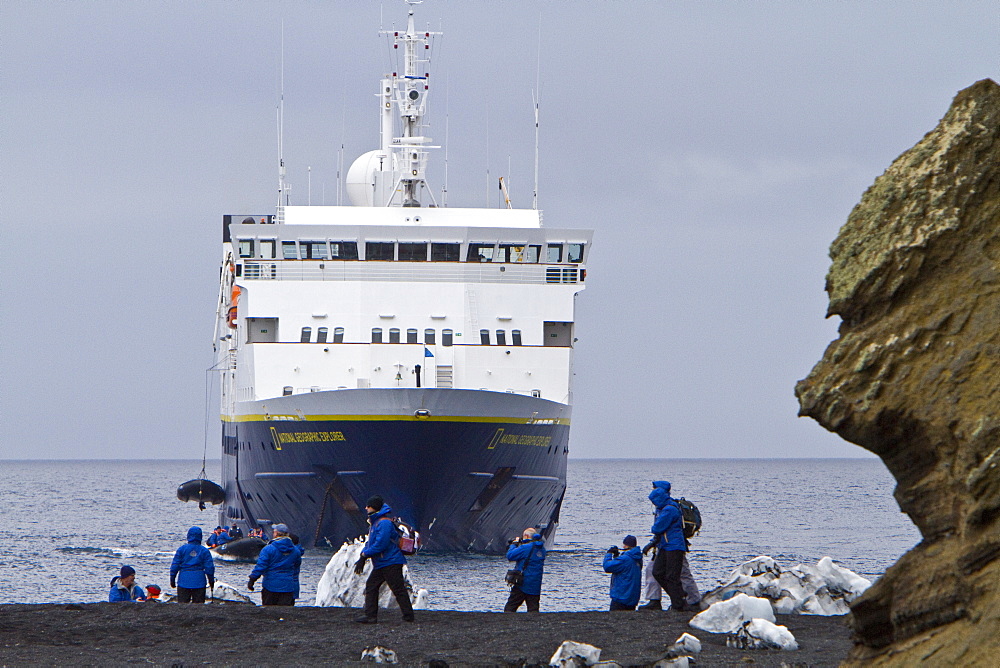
<point x="915" y="377"/>
<point x="190" y="635"/>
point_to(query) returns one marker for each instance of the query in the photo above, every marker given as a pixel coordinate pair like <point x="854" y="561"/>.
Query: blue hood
<point x="284" y="544"/>
<point x="194" y="535"/>
<point x="381" y="513"/>
<point x="660" y="495"/>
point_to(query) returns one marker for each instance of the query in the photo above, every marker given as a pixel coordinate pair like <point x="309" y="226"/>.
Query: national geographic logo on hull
<point x="503" y="438"/>
<point x="305" y="437"/>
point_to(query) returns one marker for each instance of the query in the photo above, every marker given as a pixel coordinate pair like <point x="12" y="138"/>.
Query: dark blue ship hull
<point x="468" y="468"/>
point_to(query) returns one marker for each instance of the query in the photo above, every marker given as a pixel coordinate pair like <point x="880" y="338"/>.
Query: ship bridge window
<point x="379" y="250"/>
<point x="246" y="247"/>
<point x="289" y="250"/>
<point x="267" y="249"/>
<point x="446" y="252"/>
<point x="338" y="334"/>
<point x="553" y="253"/>
<point x="262" y="330"/>
<point x="411" y="336"/>
<point x="501" y="337"/>
<point x="480" y="252"/>
<point x="344" y="250"/>
<point x="306" y="335"/>
<point x="484" y="337"/>
<point x="447" y="337"/>
<point x="412" y="252"/>
<point x="313" y="250"/>
<point x="515" y="334"/>
<point x="512" y="253"/>
<point x="376" y="335"/>
<point x="574" y="252"/>
<point x="321" y="334"/>
<point x="429" y="337"/>
<point x="394" y="335"/>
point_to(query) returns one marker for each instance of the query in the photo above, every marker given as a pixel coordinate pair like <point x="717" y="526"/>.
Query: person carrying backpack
<point x="671" y="546"/>
<point x="382" y="548"/>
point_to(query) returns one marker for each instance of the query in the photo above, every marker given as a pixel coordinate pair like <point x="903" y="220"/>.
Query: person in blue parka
<point x="668" y="539"/>
<point x="387" y="559"/>
<point x="192" y="568"/>
<point x="529" y="553"/>
<point x="124" y="589"/>
<point x="626" y="574"/>
<point x="279" y="563"/>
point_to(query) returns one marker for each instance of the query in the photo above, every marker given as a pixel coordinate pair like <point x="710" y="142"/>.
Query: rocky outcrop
<point x="914" y="376"/>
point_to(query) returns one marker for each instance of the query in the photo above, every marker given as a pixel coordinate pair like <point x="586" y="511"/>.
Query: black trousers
<point x="615" y="606"/>
<point x="392" y="576"/>
<point x="667" y="571"/>
<point x="185" y="595"/>
<point x="517" y="597"/>
<point x="276" y="597"/>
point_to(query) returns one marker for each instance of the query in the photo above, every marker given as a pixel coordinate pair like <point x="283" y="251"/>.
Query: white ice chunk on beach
<point x="339" y="587"/>
<point x="379" y="654"/>
<point x="823" y="589"/>
<point x="728" y="616"/>
<point x="229" y="593"/>
<point x="572" y="653"/>
<point x="762" y="634"/>
<point x="686" y="644"/>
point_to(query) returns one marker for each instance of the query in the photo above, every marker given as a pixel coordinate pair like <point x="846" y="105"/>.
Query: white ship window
<point x="344" y="250"/>
<point x="321" y="334"/>
<point x="429" y="337"/>
<point x="574" y="252"/>
<point x="484" y="337"/>
<point x="511" y="253"/>
<point x="314" y="250"/>
<point x="553" y="253"/>
<point x="306" y="335"/>
<point x="411" y="336"/>
<point x="289" y="250"/>
<point x="501" y="337"/>
<point x="376" y="335"/>
<point x="246" y="247"/>
<point x="446" y="252"/>
<point x="379" y="250"/>
<point x="447" y="337"/>
<point x="394" y="335"/>
<point x="558" y="334"/>
<point x="480" y="252"/>
<point x="262" y="330"/>
<point x="285" y="392"/>
<point x="338" y="334"/>
<point x="536" y="393"/>
<point x="412" y="252"/>
<point x="267" y="249"/>
<point x="532" y="253"/>
<point x="515" y="335"/>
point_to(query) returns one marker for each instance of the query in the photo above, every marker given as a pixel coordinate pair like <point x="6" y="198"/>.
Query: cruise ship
<point x="399" y="347"/>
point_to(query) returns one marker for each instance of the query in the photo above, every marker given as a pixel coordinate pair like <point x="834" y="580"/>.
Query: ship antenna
<point x="282" y="185"/>
<point x="536" y="96"/>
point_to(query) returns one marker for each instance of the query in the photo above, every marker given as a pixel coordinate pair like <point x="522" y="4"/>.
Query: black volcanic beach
<point x="233" y="634"/>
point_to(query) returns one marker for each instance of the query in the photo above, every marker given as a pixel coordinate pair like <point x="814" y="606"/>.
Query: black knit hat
<point x="375" y="502"/>
<point x="127" y="571"/>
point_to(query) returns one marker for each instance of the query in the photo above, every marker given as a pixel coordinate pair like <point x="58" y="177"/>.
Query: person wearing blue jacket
<point x="529" y="553"/>
<point x="191" y="568"/>
<point x="382" y="547"/>
<point x="668" y="539"/>
<point x="124" y="589"/>
<point x="625" y="567"/>
<point x="279" y="563"/>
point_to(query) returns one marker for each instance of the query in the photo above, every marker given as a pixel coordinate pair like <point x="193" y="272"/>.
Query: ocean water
<point x="68" y="526"/>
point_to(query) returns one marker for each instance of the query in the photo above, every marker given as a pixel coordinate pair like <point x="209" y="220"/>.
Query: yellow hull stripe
<point x="391" y="418"/>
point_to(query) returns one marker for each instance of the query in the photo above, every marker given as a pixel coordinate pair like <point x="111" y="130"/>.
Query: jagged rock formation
<point x="915" y="377"/>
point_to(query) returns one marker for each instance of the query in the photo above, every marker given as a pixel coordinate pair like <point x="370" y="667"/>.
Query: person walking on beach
<point x="654" y="592"/>
<point x="529" y="553"/>
<point x="668" y="539"/>
<point x="625" y="567"/>
<point x="192" y="568"/>
<point x="124" y="589"/>
<point x="382" y="547"/>
<point x="279" y="563"/>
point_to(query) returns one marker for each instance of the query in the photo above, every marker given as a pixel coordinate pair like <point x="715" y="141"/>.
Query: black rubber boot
<point x="654" y="604"/>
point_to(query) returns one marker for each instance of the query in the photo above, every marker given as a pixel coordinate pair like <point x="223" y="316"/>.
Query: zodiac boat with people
<point x="397" y="347"/>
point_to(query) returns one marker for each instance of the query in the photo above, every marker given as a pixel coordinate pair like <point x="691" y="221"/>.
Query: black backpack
<point x="691" y="517"/>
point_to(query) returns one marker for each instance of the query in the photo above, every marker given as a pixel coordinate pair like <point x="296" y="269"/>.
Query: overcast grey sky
<point x="714" y="147"/>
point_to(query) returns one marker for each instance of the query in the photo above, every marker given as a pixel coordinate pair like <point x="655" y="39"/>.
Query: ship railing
<point x="334" y="270"/>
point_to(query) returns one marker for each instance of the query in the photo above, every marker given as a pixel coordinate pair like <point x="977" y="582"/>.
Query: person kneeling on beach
<point x="191" y="568"/>
<point x="382" y="548"/>
<point x="626" y="574"/>
<point x="279" y="562"/>
<point x="124" y="589"/>
<point x="529" y="553"/>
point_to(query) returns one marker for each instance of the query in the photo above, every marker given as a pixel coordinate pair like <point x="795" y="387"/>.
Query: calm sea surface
<point x="68" y="526"/>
